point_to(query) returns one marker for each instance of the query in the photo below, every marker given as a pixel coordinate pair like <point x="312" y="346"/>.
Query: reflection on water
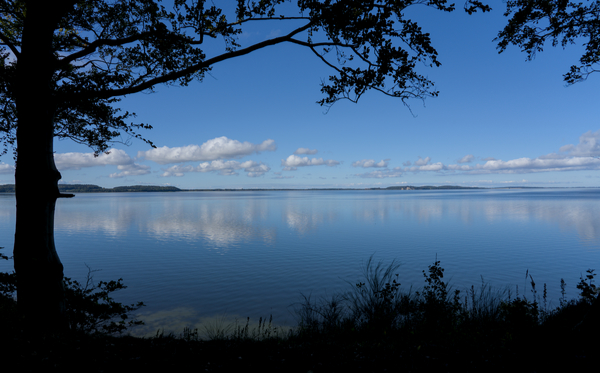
<point x="200" y="254"/>
<point x="229" y="220"/>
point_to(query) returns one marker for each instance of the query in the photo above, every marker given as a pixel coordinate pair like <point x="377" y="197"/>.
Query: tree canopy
<point x="67" y="63"/>
<point x="533" y="23"/>
<point x="104" y="50"/>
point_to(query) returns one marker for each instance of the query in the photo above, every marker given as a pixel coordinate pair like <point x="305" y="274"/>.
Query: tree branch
<point x="325" y="60"/>
<point x="104" y="94"/>
<point x="13" y="49"/>
<point x="91" y="48"/>
<point x="269" y="19"/>
<point x="321" y="44"/>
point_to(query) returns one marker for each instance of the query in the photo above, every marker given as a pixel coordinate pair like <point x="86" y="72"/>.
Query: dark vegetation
<point x="377" y="326"/>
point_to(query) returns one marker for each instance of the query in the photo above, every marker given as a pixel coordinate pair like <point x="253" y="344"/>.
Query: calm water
<point x="193" y="255"/>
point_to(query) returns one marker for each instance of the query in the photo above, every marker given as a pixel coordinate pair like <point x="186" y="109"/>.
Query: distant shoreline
<point x="90" y="188"/>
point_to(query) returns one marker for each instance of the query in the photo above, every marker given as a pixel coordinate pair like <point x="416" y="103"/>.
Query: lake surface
<point x="193" y="256"/>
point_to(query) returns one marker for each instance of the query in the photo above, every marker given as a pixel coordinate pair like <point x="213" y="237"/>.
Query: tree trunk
<point x="40" y="292"/>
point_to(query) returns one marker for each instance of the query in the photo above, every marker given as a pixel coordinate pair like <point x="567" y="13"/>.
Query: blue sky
<point x="253" y="122"/>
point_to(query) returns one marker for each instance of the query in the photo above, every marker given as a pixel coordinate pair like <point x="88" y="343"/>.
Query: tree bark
<point x="40" y="292"/>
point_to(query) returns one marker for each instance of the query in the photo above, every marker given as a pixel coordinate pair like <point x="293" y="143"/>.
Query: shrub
<point x="91" y="308"/>
<point x="588" y="290"/>
<point x="88" y="308"/>
<point x="8" y="286"/>
<point x="377" y="301"/>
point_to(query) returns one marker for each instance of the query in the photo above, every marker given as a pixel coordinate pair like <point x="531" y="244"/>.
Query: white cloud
<point x="257" y="170"/>
<point x="382" y="174"/>
<point x="406" y="164"/>
<point x="283" y="177"/>
<point x="456" y="167"/>
<point x="6" y="168"/>
<point x="306" y="151"/>
<point x="589" y="145"/>
<point x="116" y="157"/>
<point x="517" y="166"/>
<point x="426" y="167"/>
<point x="130" y="170"/>
<point x="526" y="165"/>
<point x="76" y="161"/>
<point x="466" y="159"/>
<point x="218" y="148"/>
<point x="583" y="156"/>
<point x="293" y="162"/>
<point x="222" y="167"/>
<point x="422" y="162"/>
<point x="370" y="163"/>
<point x="569" y="158"/>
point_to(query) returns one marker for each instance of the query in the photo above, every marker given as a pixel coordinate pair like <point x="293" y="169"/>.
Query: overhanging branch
<point x="10" y="45"/>
<point x="104" y="94"/>
<point x="91" y="48"/>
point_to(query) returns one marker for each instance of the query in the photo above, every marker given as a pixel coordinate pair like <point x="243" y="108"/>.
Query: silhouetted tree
<point x="65" y="63"/>
<point x="534" y="23"/>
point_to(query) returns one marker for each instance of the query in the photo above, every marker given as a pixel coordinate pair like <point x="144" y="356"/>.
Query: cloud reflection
<point x="227" y="220"/>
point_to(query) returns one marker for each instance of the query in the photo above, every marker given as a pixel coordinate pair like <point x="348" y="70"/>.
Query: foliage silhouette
<point x="90" y="307"/>
<point x="533" y="23"/>
<point x="66" y="64"/>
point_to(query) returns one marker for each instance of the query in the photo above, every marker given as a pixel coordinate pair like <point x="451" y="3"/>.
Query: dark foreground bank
<point x="320" y="353"/>
<point x="375" y="327"/>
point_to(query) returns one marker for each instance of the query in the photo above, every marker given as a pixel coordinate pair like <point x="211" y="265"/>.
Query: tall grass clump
<point x="378" y="308"/>
<point x="378" y="301"/>
<point x="375" y="303"/>
<point x="378" y="305"/>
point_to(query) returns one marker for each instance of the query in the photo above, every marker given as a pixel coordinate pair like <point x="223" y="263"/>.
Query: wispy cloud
<point x="382" y="174"/>
<point x="529" y="165"/>
<point x="466" y="159"/>
<point x="6" y="168"/>
<point x="422" y="162"/>
<point x="427" y="167"/>
<point x="253" y="169"/>
<point x="582" y="156"/>
<point x="130" y="170"/>
<point x="589" y="146"/>
<point x="365" y="163"/>
<point x="300" y="151"/>
<point x="218" y="148"/>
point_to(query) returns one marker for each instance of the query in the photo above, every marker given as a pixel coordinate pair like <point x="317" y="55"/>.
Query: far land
<point x="89" y="188"/>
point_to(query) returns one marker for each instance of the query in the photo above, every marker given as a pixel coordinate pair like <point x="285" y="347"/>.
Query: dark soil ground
<point x="427" y="352"/>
